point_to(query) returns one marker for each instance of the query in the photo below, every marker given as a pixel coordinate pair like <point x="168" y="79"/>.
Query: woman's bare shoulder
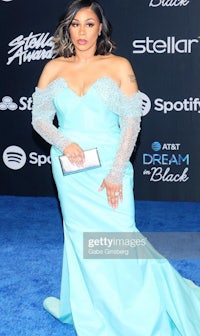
<point x="125" y="74"/>
<point x="51" y="70"/>
<point x="121" y="62"/>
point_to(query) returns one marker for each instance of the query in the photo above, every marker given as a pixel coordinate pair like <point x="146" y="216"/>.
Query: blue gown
<point x="109" y="297"/>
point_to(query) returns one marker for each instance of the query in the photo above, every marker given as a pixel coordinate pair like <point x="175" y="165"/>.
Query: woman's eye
<point x="74" y="24"/>
<point x="90" y="25"/>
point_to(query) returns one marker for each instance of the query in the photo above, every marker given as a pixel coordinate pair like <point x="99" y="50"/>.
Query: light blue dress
<point x="107" y="297"/>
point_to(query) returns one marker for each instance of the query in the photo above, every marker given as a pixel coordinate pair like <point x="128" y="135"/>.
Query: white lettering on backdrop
<point x="168" y="3"/>
<point x="34" y="47"/>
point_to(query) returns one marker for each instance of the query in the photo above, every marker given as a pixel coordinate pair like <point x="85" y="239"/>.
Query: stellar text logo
<point x="170" y="45"/>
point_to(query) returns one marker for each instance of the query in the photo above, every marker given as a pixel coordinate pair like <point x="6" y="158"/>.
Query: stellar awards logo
<point x="165" y="163"/>
<point x="34" y="47"/>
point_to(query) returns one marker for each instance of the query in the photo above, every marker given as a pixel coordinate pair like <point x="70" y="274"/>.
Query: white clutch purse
<point x="91" y="161"/>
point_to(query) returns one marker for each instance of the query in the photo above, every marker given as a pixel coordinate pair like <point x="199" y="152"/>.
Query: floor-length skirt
<point x="142" y="296"/>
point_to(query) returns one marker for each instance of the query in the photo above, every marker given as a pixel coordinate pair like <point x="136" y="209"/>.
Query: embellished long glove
<point x="43" y="113"/>
<point x="130" y="117"/>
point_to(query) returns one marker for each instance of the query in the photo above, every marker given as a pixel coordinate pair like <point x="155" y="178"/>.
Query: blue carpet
<point x="31" y="254"/>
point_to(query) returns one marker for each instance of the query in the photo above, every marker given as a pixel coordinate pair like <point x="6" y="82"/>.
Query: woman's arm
<point x="130" y="117"/>
<point x="43" y="113"/>
<point x="43" y="110"/>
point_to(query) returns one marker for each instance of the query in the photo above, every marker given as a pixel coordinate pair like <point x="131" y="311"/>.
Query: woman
<point x="95" y="97"/>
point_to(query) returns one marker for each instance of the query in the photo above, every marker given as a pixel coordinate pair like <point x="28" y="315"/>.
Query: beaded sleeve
<point x="129" y="111"/>
<point x="130" y="118"/>
<point x="43" y="113"/>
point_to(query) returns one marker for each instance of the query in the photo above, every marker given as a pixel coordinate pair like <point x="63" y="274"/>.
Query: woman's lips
<point x="82" y="42"/>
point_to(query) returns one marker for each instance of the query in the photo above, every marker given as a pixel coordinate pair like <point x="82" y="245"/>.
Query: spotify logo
<point x="14" y="157"/>
<point x="146" y="104"/>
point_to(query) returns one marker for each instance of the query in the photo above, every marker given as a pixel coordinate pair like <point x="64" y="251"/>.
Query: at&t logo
<point x="170" y="46"/>
<point x="14" y="157"/>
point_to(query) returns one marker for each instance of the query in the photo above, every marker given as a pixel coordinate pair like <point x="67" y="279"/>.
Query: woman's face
<point x="84" y="29"/>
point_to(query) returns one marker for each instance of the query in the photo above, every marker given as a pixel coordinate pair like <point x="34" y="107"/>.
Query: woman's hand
<point x="114" y="193"/>
<point x="75" y="154"/>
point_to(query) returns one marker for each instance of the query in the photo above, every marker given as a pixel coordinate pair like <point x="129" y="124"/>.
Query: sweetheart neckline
<point x="90" y="88"/>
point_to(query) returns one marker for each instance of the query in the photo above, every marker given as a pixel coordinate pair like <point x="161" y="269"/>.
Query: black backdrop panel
<point x="162" y="41"/>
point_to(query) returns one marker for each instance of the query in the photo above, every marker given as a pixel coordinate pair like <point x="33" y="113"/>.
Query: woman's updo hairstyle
<point x="62" y="41"/>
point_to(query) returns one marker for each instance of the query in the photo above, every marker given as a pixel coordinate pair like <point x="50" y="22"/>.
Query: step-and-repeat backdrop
<point x="161" y="38"/>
